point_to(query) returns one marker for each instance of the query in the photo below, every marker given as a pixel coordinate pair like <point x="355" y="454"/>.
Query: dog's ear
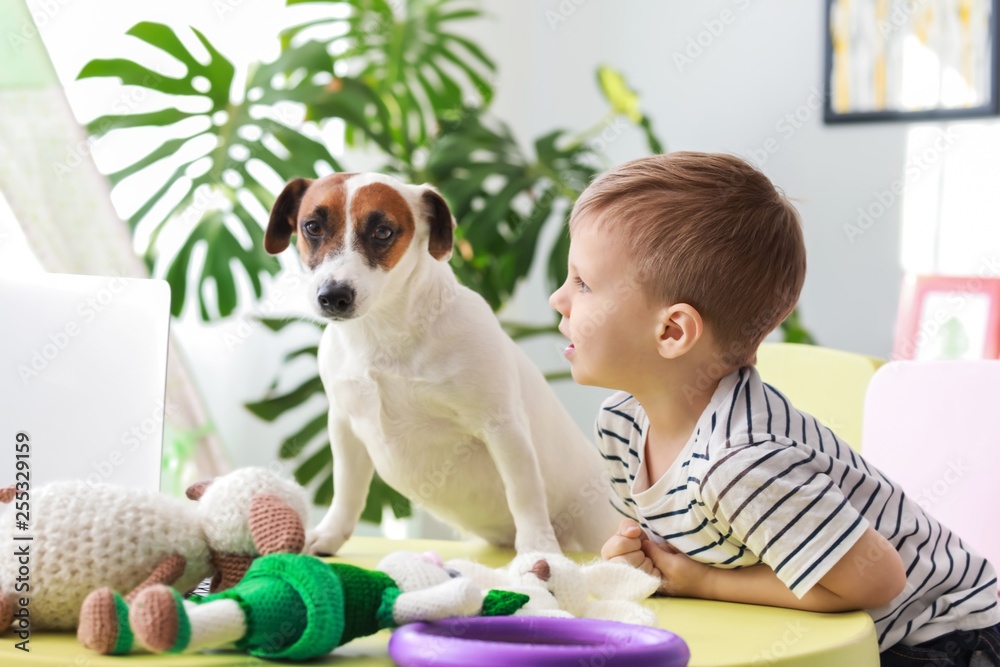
<point x="284" y="215"/>
<point x="442" y="224"/>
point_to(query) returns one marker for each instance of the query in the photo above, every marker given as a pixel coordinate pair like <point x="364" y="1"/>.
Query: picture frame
<point x="910" y="60"/>
<point x="948" y="317"/>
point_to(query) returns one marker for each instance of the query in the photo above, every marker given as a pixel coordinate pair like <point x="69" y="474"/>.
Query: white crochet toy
<point x="558" y="586"/>
<point x="88" y="536"/>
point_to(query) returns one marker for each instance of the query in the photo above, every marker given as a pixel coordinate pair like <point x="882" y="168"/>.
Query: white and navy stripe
<point x="760" y="481"/>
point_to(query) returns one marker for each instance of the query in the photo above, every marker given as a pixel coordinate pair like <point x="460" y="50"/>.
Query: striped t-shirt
<point x="760" y="481"/>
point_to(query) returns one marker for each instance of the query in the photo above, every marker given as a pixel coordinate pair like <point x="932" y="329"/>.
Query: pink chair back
<point x="932" y="426"/>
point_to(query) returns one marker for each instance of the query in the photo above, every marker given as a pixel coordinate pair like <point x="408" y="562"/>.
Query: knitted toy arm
<point x="617" y="581"/>
<point x="165" y="573"/>
<point x="457" y="597"/>
<point x="618" y="588"/>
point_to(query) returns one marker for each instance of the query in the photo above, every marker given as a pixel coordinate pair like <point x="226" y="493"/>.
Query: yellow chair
<point x="828" y="384"/>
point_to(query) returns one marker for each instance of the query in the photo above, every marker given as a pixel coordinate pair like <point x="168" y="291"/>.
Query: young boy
<point x="679" y="266"/>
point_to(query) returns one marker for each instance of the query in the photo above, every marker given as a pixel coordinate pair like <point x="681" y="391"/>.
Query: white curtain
<point x="61" y="201"/>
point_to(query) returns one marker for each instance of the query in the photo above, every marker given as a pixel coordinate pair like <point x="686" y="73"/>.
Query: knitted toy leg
<point x="165" y="623"/>
<point x="215" y="624"/>
<point x="104" y="625"/>
<point x="287" y="606"/>
<point x="159" y="620"/>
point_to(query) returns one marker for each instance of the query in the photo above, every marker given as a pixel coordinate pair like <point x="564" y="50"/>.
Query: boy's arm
<point x="868" y="576"/>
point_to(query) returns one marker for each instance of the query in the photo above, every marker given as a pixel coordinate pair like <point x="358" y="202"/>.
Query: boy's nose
<point x="555" y="301"/>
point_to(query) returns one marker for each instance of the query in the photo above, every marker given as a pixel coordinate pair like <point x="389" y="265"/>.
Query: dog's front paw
<point x="320" y="542"/>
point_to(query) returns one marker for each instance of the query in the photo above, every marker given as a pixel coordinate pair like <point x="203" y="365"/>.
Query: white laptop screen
<point x="82" y="376"/>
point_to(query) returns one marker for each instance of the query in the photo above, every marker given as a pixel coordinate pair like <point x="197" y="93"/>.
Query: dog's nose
<point x="336" y="298"/>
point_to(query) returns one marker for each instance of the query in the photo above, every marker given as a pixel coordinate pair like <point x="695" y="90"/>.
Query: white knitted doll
<point x="558" y="586"/>
<point x="90" y="536"/>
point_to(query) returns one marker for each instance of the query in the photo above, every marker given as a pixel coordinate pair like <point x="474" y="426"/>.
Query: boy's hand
<point x="682" y="576"/>
<point x="626" y="547"/>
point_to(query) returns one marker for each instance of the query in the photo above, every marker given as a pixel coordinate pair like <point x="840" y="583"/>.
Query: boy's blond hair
<point x="709" y="230"/>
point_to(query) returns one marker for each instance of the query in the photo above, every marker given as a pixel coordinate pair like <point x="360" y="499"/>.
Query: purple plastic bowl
<point x="532" y="640"/>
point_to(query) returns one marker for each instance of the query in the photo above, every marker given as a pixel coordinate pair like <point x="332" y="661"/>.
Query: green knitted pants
<point x="299" y="607"/>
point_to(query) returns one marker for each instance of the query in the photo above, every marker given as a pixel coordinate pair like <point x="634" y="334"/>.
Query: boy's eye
<point x="582" y="285"/>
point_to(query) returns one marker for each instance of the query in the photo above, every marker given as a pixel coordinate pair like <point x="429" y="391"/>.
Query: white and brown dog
<point x="424" y="385"/>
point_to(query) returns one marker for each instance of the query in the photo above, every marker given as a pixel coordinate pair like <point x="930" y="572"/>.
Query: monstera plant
<point x="402" y="82"/>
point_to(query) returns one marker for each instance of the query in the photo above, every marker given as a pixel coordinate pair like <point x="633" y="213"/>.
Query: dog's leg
<point x="597" y="520"/>
<point x="515" y="458"/>
<point x="352" y="475"/>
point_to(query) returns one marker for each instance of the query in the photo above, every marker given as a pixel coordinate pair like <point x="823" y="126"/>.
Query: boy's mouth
<point x="569" y="351"/>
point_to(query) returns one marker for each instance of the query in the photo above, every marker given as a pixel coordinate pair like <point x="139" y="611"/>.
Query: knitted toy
<point x="557" y="586"/>
<point x="298" y="607"/>
<point x="85" y="536"/>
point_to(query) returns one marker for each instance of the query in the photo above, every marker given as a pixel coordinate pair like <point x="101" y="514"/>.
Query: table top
<point x="718" y="633"/>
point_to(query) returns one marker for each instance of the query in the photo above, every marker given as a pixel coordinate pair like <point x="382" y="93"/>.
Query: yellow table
<point x="718" y="633"/>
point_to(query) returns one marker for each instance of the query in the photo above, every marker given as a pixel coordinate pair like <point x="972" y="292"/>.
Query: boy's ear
<point x="679" y="327"/>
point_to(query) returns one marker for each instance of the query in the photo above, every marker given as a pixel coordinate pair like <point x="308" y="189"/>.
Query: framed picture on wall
<point x="948" y="317"/>
<point x="910" y="60"/>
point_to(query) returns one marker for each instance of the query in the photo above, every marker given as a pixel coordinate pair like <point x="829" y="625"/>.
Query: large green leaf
<point x="482" y="173"/>
<point x="221" y="247"/>
<point x="408" y="55"/>
<point x="280" y="323"/>
<point x="294" y="444"/>
<point x="501" y="199"/>
<point x="271" y="408"/>
<point x="316" y="470"/>
<point x="209" y="154"/>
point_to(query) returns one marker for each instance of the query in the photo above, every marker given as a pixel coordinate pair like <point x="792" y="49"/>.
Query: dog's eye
<point x="312" y="228"/>
<point x="383" y="233"/>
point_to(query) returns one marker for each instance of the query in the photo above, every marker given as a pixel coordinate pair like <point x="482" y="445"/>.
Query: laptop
<point x="83" y="363"/>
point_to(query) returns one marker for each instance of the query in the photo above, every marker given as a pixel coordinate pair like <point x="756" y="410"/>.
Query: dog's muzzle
<point x="336" y="299"/>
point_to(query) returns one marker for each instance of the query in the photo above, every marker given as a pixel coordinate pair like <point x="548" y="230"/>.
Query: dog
<point x="424" y="385"/>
